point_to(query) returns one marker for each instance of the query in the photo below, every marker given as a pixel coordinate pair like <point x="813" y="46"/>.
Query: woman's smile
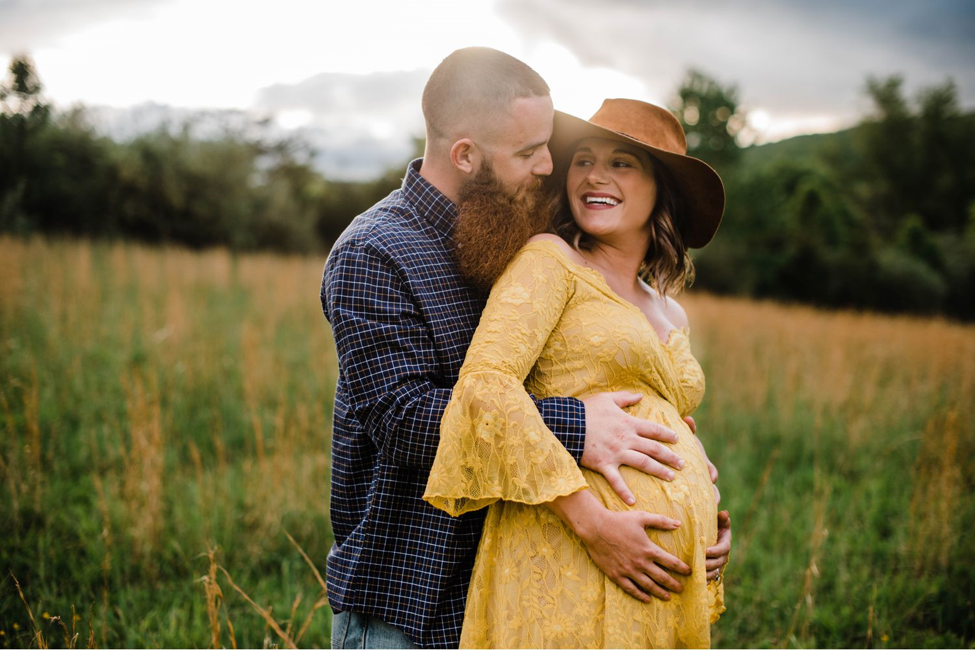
<point x="600" y="201"/>
<point x="611" y="188"/>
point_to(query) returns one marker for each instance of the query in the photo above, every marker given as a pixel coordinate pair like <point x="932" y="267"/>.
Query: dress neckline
<point x="603" y="286"/>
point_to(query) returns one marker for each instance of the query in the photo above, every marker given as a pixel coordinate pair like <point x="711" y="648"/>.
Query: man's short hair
<point x="474" y="86"/>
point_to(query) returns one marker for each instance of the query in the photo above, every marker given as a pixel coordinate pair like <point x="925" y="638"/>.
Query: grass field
<point x="164" y="426"/>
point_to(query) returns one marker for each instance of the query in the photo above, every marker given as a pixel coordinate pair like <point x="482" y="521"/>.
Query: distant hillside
<point x="838" y="145"/>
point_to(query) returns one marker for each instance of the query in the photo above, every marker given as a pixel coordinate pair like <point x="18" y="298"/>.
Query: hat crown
<point x="649" y="124"/>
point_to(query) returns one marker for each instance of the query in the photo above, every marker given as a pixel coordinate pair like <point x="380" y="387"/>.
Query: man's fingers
<point x="647" y="465"/>
<point x="654" y="431"/>
<point x="713" y="575"/>
<point x="692" y="424"/>
<point x="616" y="482"/>
<point x="713" y="471"/>
<point x="623" y="398"/>
<point x="659" y="452"/>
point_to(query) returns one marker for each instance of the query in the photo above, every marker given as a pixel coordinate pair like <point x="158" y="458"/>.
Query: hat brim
<point x="699" y="186"/>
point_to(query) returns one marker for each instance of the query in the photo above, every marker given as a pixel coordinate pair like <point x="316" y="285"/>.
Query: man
<point x="400" y="290"/>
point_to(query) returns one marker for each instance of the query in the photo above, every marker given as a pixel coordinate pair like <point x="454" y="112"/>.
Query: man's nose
<point x="544" y="165"/>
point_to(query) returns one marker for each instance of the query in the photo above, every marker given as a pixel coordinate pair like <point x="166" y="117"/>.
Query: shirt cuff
<point x="566" y="417"/>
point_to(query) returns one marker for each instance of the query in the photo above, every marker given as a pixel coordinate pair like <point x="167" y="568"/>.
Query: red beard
<point x="492" y="225"/>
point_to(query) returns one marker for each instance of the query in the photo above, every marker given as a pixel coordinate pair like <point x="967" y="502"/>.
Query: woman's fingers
<point x="660" y="522"/>
<point x="715" y="563"/>
<point x="722" y="546"/>
<point x="629" y="587"/>
<point x="660" y="556"/>
<point x="661" y="580"/>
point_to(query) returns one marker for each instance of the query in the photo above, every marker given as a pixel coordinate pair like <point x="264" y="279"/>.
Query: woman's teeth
<point x="604" y="200"/>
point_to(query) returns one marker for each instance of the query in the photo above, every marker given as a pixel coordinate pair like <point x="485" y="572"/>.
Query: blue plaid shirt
<point x="402" y="319"/>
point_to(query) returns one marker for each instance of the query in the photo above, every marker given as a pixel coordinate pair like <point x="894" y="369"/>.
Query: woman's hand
<point x="718" y="555"/>
<point x="618" y="544"/>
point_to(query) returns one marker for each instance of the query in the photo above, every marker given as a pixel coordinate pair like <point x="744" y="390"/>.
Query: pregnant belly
<point x="689" y="498"/>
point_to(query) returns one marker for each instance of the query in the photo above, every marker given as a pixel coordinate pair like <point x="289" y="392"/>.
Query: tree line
<point x="234" y="187"/>
<point x="881" y="216"/>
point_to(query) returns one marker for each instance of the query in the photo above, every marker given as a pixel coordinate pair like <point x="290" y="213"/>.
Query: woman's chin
<point x="597" y="230"/>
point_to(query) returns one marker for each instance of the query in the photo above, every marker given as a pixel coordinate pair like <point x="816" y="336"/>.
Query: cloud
<point x="26" y="25"/>
<point x="339" y="152"/>
<point x="358" y="125"/>
<point x="788" y="56"/>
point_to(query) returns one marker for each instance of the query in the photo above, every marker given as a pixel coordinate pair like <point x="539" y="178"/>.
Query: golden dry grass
<point x="161" y="409"/>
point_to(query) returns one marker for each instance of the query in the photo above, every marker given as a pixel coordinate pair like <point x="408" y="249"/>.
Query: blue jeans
<point x="354" y="630"/>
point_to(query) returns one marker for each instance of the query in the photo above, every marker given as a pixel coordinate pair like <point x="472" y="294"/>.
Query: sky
<point x="346" y="77"/>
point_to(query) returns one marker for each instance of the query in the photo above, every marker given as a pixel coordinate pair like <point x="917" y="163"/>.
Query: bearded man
<point x="403" y="289"/>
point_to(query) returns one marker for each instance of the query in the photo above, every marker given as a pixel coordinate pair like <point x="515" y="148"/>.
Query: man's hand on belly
<point x="615" y="438"/>
<point x="712" y="470"/>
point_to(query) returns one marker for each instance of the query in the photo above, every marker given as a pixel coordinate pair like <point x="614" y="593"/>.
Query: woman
<point x="575" y="315"/>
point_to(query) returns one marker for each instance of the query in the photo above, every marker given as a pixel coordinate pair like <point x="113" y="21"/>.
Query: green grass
<point x="157" y="403"/>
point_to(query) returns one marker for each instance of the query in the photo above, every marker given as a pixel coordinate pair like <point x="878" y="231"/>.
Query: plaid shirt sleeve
<point x="566" y="417"/>
<point x="389" y="361"/>
<point x="386" y="354"/>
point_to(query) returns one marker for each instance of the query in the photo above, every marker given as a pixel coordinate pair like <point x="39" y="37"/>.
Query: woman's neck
<point x="619" y="263"/>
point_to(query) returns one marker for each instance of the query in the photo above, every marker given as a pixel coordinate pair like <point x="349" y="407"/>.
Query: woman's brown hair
<point x="667" y="266"/>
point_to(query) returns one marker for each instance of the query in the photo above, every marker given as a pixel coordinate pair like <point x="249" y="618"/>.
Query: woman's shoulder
<point x="669" y="307"/>
<point x="548" y="240"/>
<point x="542" y="256"/>
<point x="675" y="313"/>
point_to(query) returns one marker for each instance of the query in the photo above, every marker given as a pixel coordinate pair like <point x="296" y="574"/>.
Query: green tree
<point x="711" y="118"/>
<point x="918" y="160"/>
<point x="23" y="117"/>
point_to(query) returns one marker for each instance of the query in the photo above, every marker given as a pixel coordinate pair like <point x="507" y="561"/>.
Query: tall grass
<point x="154" y="404"/>
<point x="164" y="427"/>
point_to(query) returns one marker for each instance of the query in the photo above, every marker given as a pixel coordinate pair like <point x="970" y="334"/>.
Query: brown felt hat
<point x="658" y="132"/>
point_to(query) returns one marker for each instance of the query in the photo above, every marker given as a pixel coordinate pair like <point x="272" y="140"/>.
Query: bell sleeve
<point x="494" y="444"/>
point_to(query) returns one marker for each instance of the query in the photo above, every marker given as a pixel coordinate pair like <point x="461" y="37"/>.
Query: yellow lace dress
<point x="556" y="328"/>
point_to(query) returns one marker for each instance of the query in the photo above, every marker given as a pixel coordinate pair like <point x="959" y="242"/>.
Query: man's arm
<point x="385" y="353"/>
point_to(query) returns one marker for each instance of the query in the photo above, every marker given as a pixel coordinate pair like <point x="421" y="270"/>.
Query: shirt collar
<point x="430" y="202"/>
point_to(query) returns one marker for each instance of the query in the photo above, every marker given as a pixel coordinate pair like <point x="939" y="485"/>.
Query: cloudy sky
<point x="348" y="75"/>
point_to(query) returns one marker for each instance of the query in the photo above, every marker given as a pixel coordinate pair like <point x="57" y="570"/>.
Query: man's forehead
<point x="528" y="120"/>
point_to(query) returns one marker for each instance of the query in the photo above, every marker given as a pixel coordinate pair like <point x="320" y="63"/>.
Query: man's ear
<point x="465" y="156"/>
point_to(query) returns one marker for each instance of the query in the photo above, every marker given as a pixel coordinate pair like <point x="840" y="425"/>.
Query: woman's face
<point x="611" y="189"/>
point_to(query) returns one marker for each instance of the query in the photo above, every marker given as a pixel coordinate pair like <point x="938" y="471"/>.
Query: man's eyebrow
<point x="534" y="145"/>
